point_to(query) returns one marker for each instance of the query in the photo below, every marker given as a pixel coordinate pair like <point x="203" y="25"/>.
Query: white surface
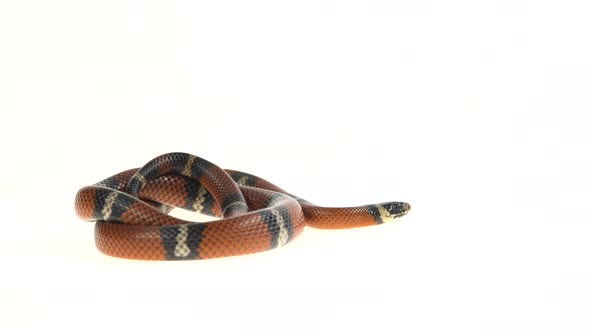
<point x="472" y="111"/>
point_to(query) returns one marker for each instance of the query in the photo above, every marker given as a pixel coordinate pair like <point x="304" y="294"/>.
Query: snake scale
<point x="131" y="211"/>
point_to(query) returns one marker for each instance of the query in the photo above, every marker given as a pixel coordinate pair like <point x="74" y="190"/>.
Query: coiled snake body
<point x="130" y="210"/>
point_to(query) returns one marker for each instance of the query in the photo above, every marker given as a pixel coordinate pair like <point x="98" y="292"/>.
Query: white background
<point x="472" y="111"/>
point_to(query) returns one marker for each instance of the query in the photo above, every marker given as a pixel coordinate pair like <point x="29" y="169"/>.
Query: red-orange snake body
<point x="131" y="211"/>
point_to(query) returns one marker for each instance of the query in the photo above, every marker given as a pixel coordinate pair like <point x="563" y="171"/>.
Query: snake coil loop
<point x="131" y="211"/>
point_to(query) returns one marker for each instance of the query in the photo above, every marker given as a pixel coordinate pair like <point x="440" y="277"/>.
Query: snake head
<point x="386" y="212"/>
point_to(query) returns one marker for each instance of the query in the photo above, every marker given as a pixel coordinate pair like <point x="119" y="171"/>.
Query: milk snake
<point x="131" y="211"/>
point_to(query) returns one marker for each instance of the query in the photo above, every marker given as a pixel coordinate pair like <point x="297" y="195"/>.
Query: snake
<point x="250" y="215"/>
